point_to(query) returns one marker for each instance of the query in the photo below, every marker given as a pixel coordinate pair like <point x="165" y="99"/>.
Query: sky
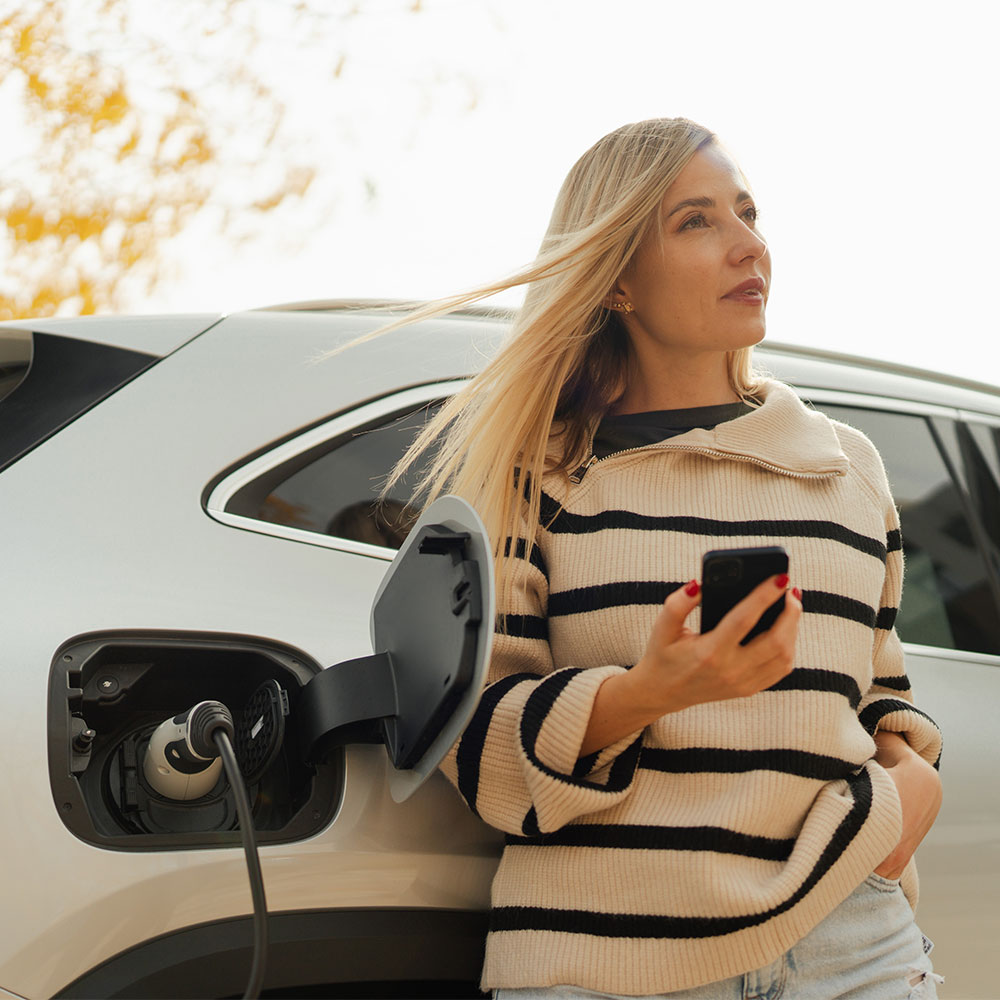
<point x="868" y="131"/>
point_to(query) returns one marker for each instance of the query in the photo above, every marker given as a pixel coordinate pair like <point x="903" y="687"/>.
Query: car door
<point x="944" y="471"/>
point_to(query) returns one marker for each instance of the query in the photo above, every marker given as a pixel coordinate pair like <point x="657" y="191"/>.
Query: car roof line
<point x="385" y="305"/>
<point x="770" y="346"/>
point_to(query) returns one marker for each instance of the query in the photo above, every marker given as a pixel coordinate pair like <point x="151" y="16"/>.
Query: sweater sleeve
<point x="888" y="703"/>
<point x="518" y="763"/>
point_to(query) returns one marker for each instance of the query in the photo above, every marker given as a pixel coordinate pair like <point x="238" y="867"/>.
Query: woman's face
<point x="700" y="281"/>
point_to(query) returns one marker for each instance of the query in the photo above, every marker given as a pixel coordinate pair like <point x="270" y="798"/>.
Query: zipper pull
<point x="577" y="477"/>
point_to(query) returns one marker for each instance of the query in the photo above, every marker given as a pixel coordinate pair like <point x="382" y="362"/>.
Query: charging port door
<point x="432" y="631"/>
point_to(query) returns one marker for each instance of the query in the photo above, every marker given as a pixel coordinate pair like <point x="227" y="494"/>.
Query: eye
<point x="752" y="215"/>
<point x="695" y="222"/>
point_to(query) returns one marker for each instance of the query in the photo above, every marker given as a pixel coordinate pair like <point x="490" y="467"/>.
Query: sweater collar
<point x="782" y="435"/>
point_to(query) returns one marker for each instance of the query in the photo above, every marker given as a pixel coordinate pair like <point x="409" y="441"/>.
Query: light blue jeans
<point x="868" y="948"/>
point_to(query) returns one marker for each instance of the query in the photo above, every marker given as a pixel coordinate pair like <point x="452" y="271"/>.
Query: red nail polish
<point x="796" y="593"/>
<point x="781" y="581"/>
<point x="692" y="588"/>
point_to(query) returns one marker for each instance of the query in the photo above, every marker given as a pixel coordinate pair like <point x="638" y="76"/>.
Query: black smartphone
<point x="728" y="575"/>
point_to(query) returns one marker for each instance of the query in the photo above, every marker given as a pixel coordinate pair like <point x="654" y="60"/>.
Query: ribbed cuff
<point x="895" y="715"/>
<point x="553" y="725"/>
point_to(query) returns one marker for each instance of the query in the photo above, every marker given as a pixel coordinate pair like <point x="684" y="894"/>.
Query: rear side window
<point x="46" y="380"/>
<point x="334" y="488"/>
<point x="948" y="597"/>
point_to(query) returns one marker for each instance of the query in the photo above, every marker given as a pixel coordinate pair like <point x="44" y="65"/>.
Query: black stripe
<point x="886" y="618"/>
<point x="523" y="626"/>
<point x="537" y="559"/>
<point x="818" y="602"/>
<point x="623" y="768"/>
<point x="621" y="925"/>
<point x="565" y="522"/>
<point x="530" y="825"/>
<point x="610" y="595"/>
<point x="598" y="597"/>
<point x="821" y="680"/>
<point x="470" y="748"/>
<point x="901" y="683"/>
<point x="584" y="765"/>
<point x="700" y="760"/>
<point x="871" y="716"/>
<point x="536" y="710"/>
<point x="894" y="540"/>
<point x="660" y="838"/>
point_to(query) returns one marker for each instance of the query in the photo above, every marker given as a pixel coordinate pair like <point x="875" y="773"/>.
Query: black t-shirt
<point x="633" y="430"/>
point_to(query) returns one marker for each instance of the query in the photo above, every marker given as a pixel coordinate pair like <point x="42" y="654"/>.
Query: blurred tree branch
<point x="135" y="119"/>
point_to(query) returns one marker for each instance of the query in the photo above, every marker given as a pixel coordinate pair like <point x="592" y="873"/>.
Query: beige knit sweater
<point x="707" y="844"/>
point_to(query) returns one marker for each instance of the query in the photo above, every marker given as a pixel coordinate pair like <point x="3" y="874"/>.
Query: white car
<point x="187" y="514"/>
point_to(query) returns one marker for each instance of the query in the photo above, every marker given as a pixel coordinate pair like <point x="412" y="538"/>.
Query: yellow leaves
<point x="130" y="145"/>
<point x="29" y="224"/>
<point x="297" y="182"/>
<point x="113" y="108"/>
<point x="197" y="150"/>
<point x="46" y="299"/>
<point x="38" y="86"/>
<point x="24" y="44"/>
<point x="134" y="127"/>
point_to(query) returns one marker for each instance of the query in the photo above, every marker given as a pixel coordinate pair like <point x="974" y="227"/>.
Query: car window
<point x="948" y="598"/>
<point x="334" y="488"/>
<point x="48" y="380"/>
<point x="979" y="448"/>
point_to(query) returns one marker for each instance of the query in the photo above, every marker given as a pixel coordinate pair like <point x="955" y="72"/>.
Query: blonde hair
<point x="534" y="407"/>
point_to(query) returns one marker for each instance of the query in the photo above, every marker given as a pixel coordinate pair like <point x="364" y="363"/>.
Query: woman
<point x="685" y="815"/>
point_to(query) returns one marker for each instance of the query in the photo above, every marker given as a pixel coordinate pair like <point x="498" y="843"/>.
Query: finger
<point x="676" y="608"/>
<point x="778" y="642"/>
<point x="744" y="615"/>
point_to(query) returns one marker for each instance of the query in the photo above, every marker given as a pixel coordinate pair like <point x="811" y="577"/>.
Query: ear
<point x="616" y="298"/>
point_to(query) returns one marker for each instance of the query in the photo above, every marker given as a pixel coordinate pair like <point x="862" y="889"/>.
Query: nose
<point x="748" y="244"/>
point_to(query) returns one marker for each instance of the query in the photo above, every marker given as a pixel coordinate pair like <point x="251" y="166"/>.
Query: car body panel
<point x="104" y="572"/>
<point x="152" y="334"/>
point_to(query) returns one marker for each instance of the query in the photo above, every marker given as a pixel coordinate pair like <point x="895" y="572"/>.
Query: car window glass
<point x="334" y="489"/>
<point x="978" y="446"/>
<point x="947" y="596"/>
<point x="63" y="378"/>
<point x="987" y="440"/>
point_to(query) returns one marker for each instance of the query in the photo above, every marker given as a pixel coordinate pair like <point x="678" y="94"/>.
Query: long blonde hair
<point x="533" y="409"/>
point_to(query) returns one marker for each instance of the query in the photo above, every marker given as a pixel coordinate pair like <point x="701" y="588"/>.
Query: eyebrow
<point x="705" y="202"/>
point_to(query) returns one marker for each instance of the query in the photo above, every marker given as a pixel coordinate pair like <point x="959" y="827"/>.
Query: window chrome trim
<point x="947" y="653"/>
<point x="386" y="406"/>
<point x="978" y="417"/>
<point x="884" y="403"/>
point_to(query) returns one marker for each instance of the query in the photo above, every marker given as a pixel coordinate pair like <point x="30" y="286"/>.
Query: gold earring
<point x="625" y="307"/>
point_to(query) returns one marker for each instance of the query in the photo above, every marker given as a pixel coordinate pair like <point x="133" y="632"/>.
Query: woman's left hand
<point x="919" y="788"/>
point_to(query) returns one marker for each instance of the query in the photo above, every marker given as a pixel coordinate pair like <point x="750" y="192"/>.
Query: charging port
<point x="108" y="692"/>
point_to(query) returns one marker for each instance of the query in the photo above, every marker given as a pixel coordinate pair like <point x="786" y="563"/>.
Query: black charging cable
<point x="222" y="741"/>
<point x="210" y="722"/>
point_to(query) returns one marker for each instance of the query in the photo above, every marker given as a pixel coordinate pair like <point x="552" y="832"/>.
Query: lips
<point x="751" y="290"/>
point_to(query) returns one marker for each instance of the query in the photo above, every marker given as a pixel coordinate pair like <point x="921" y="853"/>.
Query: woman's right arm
<point x="681" y="668"/>
<point x="518" y="764"/>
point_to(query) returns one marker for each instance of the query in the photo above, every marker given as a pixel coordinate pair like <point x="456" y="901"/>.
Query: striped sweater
<point x="707" y="844"/>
